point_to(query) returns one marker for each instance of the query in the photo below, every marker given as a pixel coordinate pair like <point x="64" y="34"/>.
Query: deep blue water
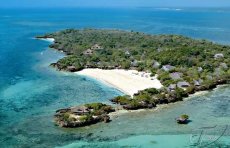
<point x="31" y="91"/>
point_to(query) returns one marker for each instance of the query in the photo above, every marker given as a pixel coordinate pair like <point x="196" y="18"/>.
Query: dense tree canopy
<point x="202" y="64"/>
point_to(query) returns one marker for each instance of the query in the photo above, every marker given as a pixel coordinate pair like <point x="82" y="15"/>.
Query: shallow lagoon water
<point x="156" y="129"/>
<point x="31" y="91"/>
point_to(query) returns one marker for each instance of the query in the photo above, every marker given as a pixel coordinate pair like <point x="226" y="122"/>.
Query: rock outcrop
<point x="85" y="115"/>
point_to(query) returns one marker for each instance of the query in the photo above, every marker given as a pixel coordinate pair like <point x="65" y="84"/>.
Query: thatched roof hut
<point x="80" y="110"/>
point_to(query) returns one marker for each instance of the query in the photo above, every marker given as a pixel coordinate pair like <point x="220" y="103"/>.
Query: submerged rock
<point x="183" y="119"/>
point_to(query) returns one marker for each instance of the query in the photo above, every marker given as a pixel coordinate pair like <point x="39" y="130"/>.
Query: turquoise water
<point x="30" y="91"/>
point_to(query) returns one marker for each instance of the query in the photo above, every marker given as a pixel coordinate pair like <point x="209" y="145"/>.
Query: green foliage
<point x="85" y="118"/>
<point x="141" y="66"/>
<point x="208" y="84"/>
<point x="180" y="93"/>
<point x="209" y="67"/>
<point x="134" y="104"/>
<point x="152" y="91"/>
<point x="135" y="50"/>
<point x="153" y="72"/>
<point x="66" y="116"/>
<point x="99" y="108"/>
<point x="190" y="89"/>
<point x="168" y="82"/>
<point x="95" y="106"/>
<point x="123" y="100"/>
<point x="184" y="53"/>
<point x="70" y="61"/>
<point x="184" y="117"/>
<point x="125" y="65"/>
<point x="143" y="97"/>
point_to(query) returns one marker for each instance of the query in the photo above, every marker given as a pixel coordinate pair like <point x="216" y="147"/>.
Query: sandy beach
<point x="127" y="81"/>
<point x="48" y="39"/>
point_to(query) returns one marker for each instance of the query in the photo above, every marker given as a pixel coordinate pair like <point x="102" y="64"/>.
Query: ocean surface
<point x="31" y="91"/>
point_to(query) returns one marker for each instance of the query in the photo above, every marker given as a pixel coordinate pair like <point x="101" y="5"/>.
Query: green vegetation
<point x="184" y="117"/>
<point x="99" y="108"/>
<point x="183" y="65"/>
<point x="70" y="61"/>
<point x="83" y="115"/>
<point x="149" y="98"/>
<point x="67" y="117"/>
<point x="85" y="118"/>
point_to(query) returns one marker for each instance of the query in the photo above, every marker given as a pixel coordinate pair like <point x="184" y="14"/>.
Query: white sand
<point x="48" y="39"/>
<point x="127" y="81"/>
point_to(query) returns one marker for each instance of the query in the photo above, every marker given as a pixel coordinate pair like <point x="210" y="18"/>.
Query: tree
<point x="125" y="65"/>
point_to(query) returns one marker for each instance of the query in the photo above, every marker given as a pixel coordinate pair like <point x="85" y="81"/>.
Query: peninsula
<point x="150" y="69"/>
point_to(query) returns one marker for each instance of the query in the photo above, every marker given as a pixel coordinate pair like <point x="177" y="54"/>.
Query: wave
<point x="169" y="9"/>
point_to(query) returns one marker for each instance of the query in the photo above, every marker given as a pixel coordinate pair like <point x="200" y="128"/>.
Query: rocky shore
<point x="84" y="115"/>
<point x="88" y="114"/>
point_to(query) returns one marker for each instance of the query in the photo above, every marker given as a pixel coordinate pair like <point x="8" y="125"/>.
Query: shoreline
<point x="131" y="81"/>
<point x="127" y="81"/>
<point x="51" y="40"/>
<point x="120" y="112"/>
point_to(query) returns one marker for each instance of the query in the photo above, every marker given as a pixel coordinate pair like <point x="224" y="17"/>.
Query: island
<point x="180" y="65"/>
<point x="83" y="115"/>
<point x="183" y="119"/>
